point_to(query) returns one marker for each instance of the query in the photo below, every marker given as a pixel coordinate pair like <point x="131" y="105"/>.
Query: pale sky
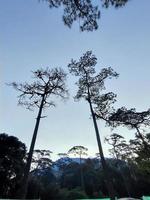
<point x="33" y="36"/>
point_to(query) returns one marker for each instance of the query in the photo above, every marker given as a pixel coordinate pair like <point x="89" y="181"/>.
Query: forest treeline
<point x="71" y="178"/>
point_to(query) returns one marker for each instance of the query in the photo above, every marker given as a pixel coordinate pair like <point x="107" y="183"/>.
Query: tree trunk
<point x="23" y="189"/>
<point x="108" y="181"/>
<point x="141" y="137"/>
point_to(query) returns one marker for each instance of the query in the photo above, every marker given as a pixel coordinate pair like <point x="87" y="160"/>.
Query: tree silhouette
<point x="104" y="106"/>
<point x="79" y="151"/>
<point x="132" y="120"/>
<point x="119" y="145"/>
<point x="84" y="11"/>
<point x="121" y="151"/>
<point x="47" y="83"/>
<point x="135" y="155"/>
<point x="41" y="160"/>
<point x="90" y="87"/>
<point x="12" y="162"/>
<point x="141" y="152"/>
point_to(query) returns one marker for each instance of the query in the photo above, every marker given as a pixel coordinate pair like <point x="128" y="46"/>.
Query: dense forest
<point x="71" y="178"/>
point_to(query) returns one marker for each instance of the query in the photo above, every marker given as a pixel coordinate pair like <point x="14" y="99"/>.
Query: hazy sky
<point x="33" y="36"/>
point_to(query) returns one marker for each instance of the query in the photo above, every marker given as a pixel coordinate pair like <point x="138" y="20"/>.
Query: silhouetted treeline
<point x="62" y="179"/>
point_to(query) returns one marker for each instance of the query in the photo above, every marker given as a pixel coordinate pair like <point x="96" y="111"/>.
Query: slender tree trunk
<point x="141" y="137"/>
<point x="23" y="190"/>
<point x="108" y="181"/>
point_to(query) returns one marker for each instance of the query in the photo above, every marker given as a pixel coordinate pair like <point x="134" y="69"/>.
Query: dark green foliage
<point x="135" y="173"/>
<point x="130" y="177"/>
<point x="53" y="192"/>
<point x="70" y="177"/>
<point x="76" y="194"/>
<point x="34" y="188"/>
<point x="92" y="177"/>
<point x="12" y="155"/>
<point x="50" y="191"/>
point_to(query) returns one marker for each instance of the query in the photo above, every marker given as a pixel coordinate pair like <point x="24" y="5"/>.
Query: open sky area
<point x="33" y="36"/>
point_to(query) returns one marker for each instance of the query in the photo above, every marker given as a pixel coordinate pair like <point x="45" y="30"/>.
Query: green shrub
<point x="76" y="194"/>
